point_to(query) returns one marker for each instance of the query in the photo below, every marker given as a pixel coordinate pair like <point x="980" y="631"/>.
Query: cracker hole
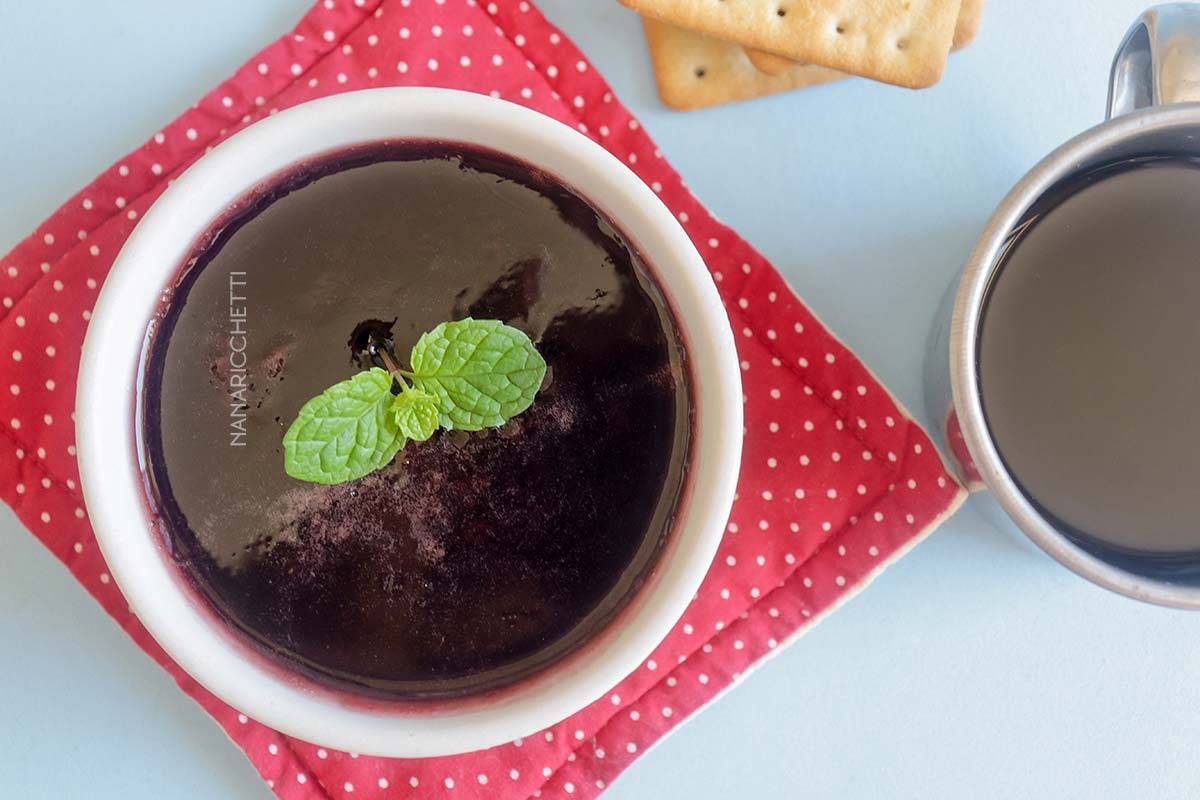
<point x="701" y="72"/>
<point x="841" y="27"/>
<point x="781" y="12"/>
<point x="902" y="44"/>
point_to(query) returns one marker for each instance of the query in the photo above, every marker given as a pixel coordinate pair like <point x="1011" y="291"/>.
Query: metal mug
<point x="1153" y="108"/>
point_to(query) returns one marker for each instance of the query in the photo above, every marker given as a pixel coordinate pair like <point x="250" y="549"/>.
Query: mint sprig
<point x="466" y="375"/>
<point x="482" y="372"/>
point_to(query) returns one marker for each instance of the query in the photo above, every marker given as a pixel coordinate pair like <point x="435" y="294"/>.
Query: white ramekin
<point x="165" y="601"/>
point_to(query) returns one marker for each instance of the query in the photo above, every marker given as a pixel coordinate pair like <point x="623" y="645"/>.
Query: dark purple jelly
<point x="471" y="560"/>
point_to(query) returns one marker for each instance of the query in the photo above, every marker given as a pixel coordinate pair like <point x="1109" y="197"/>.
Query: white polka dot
<point x="481" y="778"/>
<point x="464" y="61"/>
<point x="301" y="777"/>
<point x="702" y="678"/>
<point x="242" y="718"/>
<point x="322" y="753"/>
<point x="468" y="30"/>
<point x="328" y="36"/>
<point x="433" y="64"/>
<point x="436" y="30"/>
<point x="652" y="665"/>
<point x="401" y="67"/>
<point x="631" y="747"/>
<point x="105" y="578"/>
<point x="579" y="735"/>
<point x="497" y="60"/>
<point x="273" y="749"/>
<point x="191" y="134"/>
<point x="348" y="786"/>
<point x="514" y="774"/>
<point x="730" y="560"/>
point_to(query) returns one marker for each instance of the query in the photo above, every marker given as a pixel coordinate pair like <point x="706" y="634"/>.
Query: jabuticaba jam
<point x="473" y="559"/>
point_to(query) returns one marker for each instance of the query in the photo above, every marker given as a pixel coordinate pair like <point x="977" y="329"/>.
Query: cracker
<point x="970" y="16"/>
<point x="965" y="28"/>
<point x="694" y="70"/>
<point x="769" y="63"/>
<point x="904" y="42"/>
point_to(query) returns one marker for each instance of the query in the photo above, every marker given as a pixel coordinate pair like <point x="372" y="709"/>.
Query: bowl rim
<point x="108" y="385"/>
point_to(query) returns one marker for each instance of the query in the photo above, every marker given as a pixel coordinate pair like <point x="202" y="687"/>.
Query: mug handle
<point x="1158" y="61"/>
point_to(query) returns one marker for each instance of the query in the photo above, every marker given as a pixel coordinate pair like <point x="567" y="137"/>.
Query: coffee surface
<point x="1088" y="359"/>
<point x="473" y="559"/>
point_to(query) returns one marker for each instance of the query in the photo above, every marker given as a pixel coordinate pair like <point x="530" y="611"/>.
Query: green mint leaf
<point x="416" y="414"/>
<point x="345" y="432"/>
<point x="482" y="372"/>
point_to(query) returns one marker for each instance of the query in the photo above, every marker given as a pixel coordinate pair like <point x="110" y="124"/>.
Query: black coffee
<point x="473" y="559"/>
<point x="1088" y="359"/>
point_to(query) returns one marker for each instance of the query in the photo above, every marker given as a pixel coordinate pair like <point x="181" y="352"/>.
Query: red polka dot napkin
<point x="836" y="479"/>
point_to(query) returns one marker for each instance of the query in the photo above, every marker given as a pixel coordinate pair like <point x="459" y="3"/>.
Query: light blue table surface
<point x="976" y="667"/>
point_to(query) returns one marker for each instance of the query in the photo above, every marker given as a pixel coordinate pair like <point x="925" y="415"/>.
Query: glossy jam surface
<point x="473" y="559"/>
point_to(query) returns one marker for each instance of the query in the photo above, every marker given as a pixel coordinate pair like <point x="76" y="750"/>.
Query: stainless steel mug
<point x="1154" y="87"/>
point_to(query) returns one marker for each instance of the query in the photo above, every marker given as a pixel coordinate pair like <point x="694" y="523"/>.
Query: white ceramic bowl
<point x="164" y="599"/>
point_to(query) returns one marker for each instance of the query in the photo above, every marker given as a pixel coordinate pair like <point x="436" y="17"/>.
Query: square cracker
<point x="965" y="28"/>
<point x="904" y="42"/>
<point x="694" y="70"/>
